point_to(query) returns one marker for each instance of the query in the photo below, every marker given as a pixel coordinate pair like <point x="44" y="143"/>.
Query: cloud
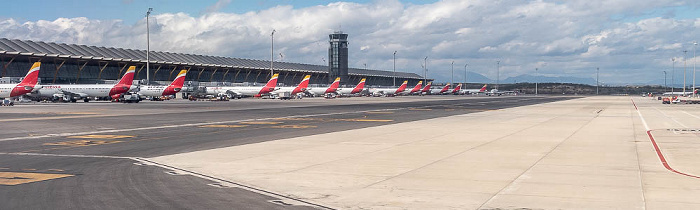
<point x="571" y="37"/>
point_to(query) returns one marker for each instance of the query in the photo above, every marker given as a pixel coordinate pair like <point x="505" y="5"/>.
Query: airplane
<point x="496" y="92"/>
<point x="241" y="91"/>
<point x="415" y="89"/>
<point x="350" y="91"/>
<point x="456" y="90"/>
<point x="426" y="89"/>
<point x="327" y="91"/>
<point x="680" y="93"/>
<point x="294" y="90"/>
<point x="27" y="85"/>
<point x="389" y="91"/>
<point x="473" y="91"/>
<point x="157" y="91"/>
<point x="83" y="91"/>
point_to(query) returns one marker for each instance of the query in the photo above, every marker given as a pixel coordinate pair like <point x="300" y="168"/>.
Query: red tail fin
<point x="179" y="80"/>
<point x="444" y="89"/>
<point x="417" y="87"/>
<point x="270" y="86"/>
<point x="28" y="83"/>
<point x="124" y="83"/>
<point x="128" y="77"/>
<point x="360" y="86"/>
<point x="177" y="84"/>
<point x="32" y="76"/>
<point x="483" y="89"/>
<point x="302" y="85"/>
<point x="427" y="87"/>
<point x="334" y="86"/>
<point x="402" y="87"/>
<point x="272" y="82"/>
<point x="459" y="87"/>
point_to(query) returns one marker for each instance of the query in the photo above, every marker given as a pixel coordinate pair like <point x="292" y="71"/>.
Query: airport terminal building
<point x="71" y="63"/>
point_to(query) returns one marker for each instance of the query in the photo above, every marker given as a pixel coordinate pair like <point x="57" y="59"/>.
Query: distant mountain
<point x="548" y="79"/>
<point x="477" y="78"/>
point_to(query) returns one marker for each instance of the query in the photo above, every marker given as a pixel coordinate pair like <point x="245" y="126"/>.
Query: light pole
<point x="695" y="44"/>
<point x="685" y="62"/>
<point x="536" y="78"/>
<point x="394" y="68"/>
<point x="453" y="72"/>
<point x="272" y="51"/>
<point x="465" y="75"/>
<point x="673" y="75"/>
<point x="665" y="87"/>
<point x="425" y="71"/>
<point x="148" y="47"/>
<point x="597" y="84"/>
<point x="498" y="73"/>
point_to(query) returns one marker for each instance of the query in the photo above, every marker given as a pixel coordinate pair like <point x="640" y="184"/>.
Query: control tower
<point x="338" y="57"/>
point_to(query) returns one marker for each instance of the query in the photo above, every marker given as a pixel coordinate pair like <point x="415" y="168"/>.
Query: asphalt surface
<point x="88" y="155"/>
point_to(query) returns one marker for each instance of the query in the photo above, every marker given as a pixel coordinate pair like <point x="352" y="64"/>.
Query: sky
<point x="631" y="41"/>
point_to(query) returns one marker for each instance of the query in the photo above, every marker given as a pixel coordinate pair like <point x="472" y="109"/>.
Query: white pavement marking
<point x="178" y="171"/>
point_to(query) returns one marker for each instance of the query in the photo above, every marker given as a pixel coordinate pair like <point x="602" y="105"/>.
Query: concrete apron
<point x="589" y="153"/>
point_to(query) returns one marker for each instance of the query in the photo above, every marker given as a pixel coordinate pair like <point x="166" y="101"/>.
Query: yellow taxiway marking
<point x="223" y="126"/>
<point x="71" y="113"/>
<point x="365" y="120"/>
<point x="260" y="123"/>
<point x="81" y="143"/>
<point x="28" y="169"/>
<point x="16" y="178"/>
<point x="417" y="109"/>
<point x="100" y="137"/>
<point x="379" y="112"/>
<point x="294" y="126"/>
<point x="335" y="120"/>
<point x="53" y="169"/>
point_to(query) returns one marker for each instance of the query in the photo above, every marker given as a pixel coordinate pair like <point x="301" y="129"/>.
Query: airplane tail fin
<point x="32" y="76"/>
<point x="128" y="77"/>
<point x="305" y="82"/>
<point x="427" y="87"/>
<point x="360" y="86"/>
<point x="459" y="87"/>
<point x="334" y="86"/>
<point x="483" y="88"/>
<point x="417" y="87"/>
<point x="272" y="83"/>
<point x="444" y="89"/>
<point x="179" y="80"/>
<point x="402" y="87"/>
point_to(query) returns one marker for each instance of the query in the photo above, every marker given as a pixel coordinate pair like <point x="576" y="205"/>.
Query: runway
<point x="92" y="155"/>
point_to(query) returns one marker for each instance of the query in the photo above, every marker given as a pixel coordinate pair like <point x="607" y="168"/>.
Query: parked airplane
<point x="389" y="91"/>
<point x="294" y="90"/>
<point x="415" y="89"/>
<point x="680" y="93"/>
<point x="27" y="85"/>
<point x="160" y="90"/>
<point x="324" y="91"/>
<point x="473" y="91"/>
<point x="350" y="91"/>
<point x="75" y="92"/>
<point x="241" y="91"/>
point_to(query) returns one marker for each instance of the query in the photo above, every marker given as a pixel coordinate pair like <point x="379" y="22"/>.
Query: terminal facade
<point x="76" y="64"/>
